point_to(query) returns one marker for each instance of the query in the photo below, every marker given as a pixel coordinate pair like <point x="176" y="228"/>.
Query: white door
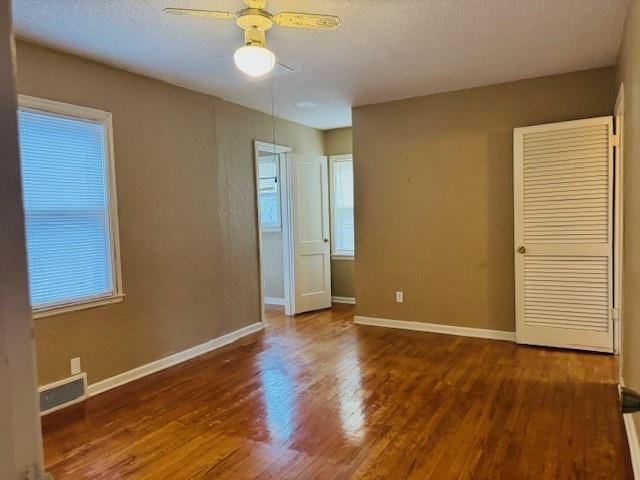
<point x="563" y="188"/>
<point x="310" y="247"/>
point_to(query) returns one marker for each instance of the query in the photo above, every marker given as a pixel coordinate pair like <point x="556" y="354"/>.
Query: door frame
<point x="284" y="153"/>
<point x="618" y="224"/>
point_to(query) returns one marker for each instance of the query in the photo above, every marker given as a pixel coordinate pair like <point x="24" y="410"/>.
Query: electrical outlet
<point x="75" y="366"/>
<point x="399" y="297"/>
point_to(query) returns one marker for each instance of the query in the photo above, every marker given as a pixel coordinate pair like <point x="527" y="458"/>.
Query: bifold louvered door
<point x="563" y="187"/>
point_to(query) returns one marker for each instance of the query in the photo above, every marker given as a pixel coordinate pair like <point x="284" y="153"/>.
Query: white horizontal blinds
<point x="566" y="186"/>
<point x="66" y="208"/>
<point x="567" y="292"/>
<point x="563" y="234"/>
<point x="343" y="218"/>
<point x="269" y="192"/>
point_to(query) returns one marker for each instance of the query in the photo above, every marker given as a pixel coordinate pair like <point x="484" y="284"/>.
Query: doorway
<point x="273" y="223"/>
<point x="293" y="220"/>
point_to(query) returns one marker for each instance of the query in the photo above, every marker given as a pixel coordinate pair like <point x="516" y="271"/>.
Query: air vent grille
<point x="61" y="394"/>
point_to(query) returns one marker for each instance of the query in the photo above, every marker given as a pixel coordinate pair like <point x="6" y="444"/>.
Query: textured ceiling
<point x="386" y="49"/>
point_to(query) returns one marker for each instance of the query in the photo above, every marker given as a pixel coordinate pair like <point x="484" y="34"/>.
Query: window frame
<point x="76" y="112"/>
<point x="337" y="254"/>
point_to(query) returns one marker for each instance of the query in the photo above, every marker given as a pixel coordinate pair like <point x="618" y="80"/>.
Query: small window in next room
<point x="69" y="205"/>
<point x="269" y="173"/>
<point x="342" y="219"/>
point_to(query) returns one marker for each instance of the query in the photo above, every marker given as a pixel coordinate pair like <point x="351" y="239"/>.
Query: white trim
<point x="287" y="237"/>
<point x="55" y="108"/>
<point x="64" y="381"/>
<point x="166" y="362"/>
<point x="271" y="147"/>
<point x="350" y="300"/>
<point x="618" y="225"/>
<point x="337" y="255"/>
<point x="436" y="328"/>
<point x="80" y="305"/>
<point x="62" y="108"/>
<point x="634" y="445"/>
<point x="274" y="300"/>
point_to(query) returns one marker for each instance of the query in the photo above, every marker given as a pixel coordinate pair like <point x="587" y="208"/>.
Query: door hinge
<point x="615" y="140"/>
<point x="615" y="314"/>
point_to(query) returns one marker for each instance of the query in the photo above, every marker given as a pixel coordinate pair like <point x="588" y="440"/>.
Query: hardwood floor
<point x="315" y="397"/>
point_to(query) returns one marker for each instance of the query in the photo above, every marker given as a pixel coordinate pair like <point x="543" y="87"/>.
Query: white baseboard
<point x="436" y="328"/>
<point x="634" y="446"/>
<point x="171" y="360"/>
<point x="350" y="300"/>
<point x="274" y="300"/>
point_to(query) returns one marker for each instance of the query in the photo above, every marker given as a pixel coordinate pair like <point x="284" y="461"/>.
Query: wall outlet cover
<point x="75" y="366"/>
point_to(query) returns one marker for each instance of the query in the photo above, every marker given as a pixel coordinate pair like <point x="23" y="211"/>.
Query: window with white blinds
<point x="342" y="219"/>
<point x="65" y="163"/>
<point x="268" y="173"/>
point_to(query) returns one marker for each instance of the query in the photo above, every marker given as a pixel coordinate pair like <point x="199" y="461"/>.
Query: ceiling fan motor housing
<point x="255" y="22"/>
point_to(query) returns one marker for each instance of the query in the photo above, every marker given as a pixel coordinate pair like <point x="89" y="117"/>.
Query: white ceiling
<point x="386" y="49"/>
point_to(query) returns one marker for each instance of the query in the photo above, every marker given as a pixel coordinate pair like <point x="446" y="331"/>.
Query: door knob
<point x="521" y="249"/>
<point x="326" y="240"/>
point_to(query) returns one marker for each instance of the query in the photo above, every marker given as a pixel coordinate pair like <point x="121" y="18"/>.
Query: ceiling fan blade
<point x="308" y="20"/>
<point x="284" y="65"/>
<point x="259" y="4"/>
<point x="199" y="13"/>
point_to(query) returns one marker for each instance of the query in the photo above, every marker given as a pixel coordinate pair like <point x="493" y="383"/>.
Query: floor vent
<point x="63" y="393"/>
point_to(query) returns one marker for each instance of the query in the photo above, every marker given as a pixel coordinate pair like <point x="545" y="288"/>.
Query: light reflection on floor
<point x="279" y="391"/>
<point x="349" y="376"/>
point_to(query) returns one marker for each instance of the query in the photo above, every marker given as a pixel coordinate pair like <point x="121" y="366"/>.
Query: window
<point x="268" y="173"/>
<point x="342" y="222"/>
<point x="69" y="206"/>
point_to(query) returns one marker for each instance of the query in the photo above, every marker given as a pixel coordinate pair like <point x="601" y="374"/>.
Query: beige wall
<point x="434" y="195"/>
<point x="338" y="142"/>
<point x="186" y="203"/>
<point x="272" y="264"/>
<point x="629" y="73"/>
<point x="20" y="437"/>
<point x="343" y="278"/>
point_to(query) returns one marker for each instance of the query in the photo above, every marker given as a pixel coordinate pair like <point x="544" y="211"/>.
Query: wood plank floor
<point x="315" y="397"/>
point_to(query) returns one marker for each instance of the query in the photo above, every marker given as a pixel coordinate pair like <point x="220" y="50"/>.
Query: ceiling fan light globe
<point x="254" y="60"/>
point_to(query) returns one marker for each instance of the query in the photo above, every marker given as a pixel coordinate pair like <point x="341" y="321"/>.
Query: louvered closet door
<point x="563" y="184"/>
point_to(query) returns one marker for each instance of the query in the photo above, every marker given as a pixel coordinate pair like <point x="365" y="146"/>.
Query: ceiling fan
<point x="254" y="58"/>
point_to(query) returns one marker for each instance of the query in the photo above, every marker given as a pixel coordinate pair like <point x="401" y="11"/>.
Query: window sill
<point x="271" y="229"/>
<point x="343" y="257"/>
<point x="72" y="307"/>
